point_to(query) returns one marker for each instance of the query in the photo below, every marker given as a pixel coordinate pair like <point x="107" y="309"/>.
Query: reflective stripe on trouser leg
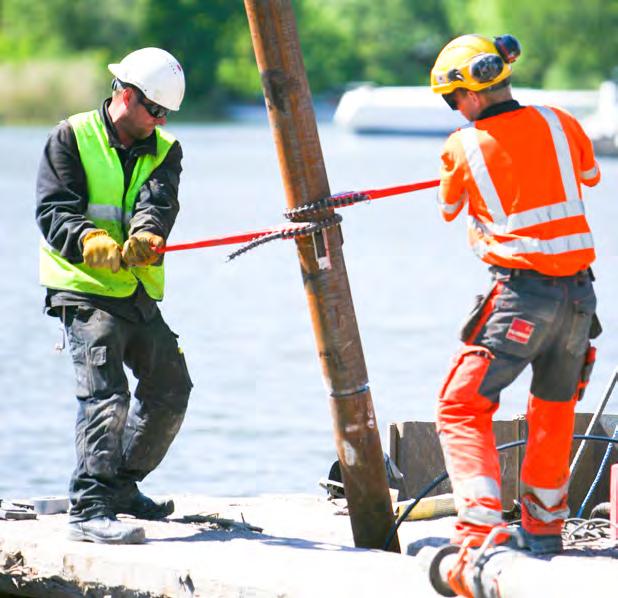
<point x="545" y="469"/>
<point x="464" y="423"/>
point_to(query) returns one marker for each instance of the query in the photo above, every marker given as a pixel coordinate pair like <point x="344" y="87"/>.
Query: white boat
<point x="417" y="110"/>
<point x="602" y="125"/>
<point x="371" y="109"/>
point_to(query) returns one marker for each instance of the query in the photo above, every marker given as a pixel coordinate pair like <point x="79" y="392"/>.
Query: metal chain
<point x="302" y="213"/>
<point x="579" y="531"/>
<point x="339" y="200"/>
<point x="309" y="229"/>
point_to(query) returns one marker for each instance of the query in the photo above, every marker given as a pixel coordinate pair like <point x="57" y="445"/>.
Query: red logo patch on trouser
<point x="520" y="331"/>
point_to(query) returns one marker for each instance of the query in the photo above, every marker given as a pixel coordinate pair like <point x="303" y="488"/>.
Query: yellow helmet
<point x="473" y="62"/>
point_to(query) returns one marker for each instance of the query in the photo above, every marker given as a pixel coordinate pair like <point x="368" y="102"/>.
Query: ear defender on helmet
<point x="508" y="47"/>
<point x="486" y="67"/>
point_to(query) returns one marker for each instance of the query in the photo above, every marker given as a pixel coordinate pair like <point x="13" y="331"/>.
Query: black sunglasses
<point x="451" y="98"/>
<point x="153" y="109"/>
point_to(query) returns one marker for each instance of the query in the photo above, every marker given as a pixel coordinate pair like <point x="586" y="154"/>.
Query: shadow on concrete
<point x="433" y="541"/>
<point x="209" y="535"/>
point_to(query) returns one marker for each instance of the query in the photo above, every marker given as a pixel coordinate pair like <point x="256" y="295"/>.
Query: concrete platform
<point x="305" y="550"/>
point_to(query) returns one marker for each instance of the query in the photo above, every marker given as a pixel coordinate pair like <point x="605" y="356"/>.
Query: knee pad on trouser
<point x="149" y="432"/>
<point x="99" y="431"/>
<point x="162" y="396"/>
<point x="163" y="376"/>
<point x="464" y="424"/>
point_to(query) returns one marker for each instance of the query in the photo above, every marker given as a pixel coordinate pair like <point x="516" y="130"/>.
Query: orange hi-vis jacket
<point x="521" y="173"/>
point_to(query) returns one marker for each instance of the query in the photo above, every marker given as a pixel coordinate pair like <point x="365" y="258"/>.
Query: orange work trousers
<point x="526" y="319"/>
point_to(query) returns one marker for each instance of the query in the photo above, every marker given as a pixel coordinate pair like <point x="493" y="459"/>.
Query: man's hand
<point x="101" y="251"/>
<point x="139" y="249"/>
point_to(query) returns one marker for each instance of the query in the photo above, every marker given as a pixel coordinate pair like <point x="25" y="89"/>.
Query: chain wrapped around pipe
<point x="301" y="214"/>
<point x="309" y="214"/>
<point x="349" y="198"/>
<point x="339" y="200"/>
<point x="309" y="229"/>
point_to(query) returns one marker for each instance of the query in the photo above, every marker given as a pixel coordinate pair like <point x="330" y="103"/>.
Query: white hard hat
<point x="156" y="73"/>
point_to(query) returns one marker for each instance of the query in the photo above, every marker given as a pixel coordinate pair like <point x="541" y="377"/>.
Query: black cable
<point x="444" y="475"/>
<point x="597" y="478"/>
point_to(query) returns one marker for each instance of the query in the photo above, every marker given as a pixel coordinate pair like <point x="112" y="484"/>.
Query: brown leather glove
<point x="139" y="249"/>
<point x="101" y="251"/>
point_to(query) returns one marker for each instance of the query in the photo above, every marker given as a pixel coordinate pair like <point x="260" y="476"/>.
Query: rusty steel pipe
<point x="292" y="119"/>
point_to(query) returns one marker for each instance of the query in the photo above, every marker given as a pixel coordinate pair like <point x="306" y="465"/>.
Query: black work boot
<point x="143" y="507"/>
<point x="106" y="530"/>
<point x="542" y="544"/>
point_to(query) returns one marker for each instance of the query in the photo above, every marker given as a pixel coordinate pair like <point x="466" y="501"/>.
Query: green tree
<point x="25" y="31"/>
<point x="35" y="29"/>
<point x="46" y="46"/>
<point x="328" y="44"/>
<point x="192" y="30"/>
<point x="396" y="40"/>
<point x="236" y="71"/>
<point x="565" y="43"/>
<point x="329" y="50"/>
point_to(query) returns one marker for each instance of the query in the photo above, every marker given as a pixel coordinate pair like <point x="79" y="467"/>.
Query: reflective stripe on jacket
<point x="109" y="208"/>
<point x="521" y="173"/>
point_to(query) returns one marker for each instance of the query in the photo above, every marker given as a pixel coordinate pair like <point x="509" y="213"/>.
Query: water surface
<point x="259" y="418"/>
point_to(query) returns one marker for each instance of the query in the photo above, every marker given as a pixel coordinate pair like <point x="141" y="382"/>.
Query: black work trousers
<point x="119" y="441"/>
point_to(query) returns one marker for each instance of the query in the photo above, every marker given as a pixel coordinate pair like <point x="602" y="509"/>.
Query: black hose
<point x="603" y="509"/>
<point x="444" y="475"/>
<point x="597" y="478"/>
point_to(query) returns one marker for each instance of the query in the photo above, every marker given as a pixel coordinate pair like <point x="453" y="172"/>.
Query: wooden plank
<point x="416" y="451"/>
<point x="590" y="461"/>
<point x="418" y="456"/>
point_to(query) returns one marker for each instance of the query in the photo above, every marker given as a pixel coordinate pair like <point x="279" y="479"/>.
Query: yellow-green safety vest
<point x="108" y="207"/>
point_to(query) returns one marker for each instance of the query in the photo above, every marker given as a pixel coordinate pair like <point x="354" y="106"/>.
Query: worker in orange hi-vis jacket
<point x="519" y="170"/>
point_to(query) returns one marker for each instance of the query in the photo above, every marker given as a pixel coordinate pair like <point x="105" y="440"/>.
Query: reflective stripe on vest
<point x="563" y="152"/>
<point x="110" y="208"/>
<point x="588" y="175"/>
<point x="524" y="245"/>
<point x="108" y="212"/>
<point x="480" y="174"/>
<point x="502" y="224"/>
<point x="449" y="208"/>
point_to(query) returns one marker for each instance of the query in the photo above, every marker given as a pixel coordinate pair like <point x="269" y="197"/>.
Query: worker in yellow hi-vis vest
<point x="107" y="198"/>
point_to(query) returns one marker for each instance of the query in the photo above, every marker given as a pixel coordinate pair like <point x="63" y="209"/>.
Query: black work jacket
<point x="62" y="201"/>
